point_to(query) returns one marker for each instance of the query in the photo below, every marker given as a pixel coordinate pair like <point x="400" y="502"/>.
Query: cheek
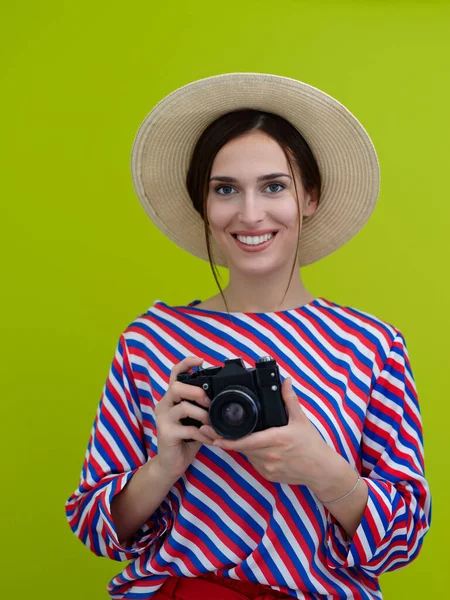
<point x="219" y="215"/>
<point x="288" y="214"/>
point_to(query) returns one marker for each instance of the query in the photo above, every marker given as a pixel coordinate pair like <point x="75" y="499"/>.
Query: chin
<point x="256" y="267"/>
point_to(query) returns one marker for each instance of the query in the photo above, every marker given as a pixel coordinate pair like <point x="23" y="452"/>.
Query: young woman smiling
<point x="262" y="174"/>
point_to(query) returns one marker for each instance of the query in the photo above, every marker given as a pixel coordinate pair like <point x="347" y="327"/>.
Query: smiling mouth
<point x="254" y="240"/>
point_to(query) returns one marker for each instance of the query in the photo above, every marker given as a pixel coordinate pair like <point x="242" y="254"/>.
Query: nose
<point x="251" y="210"/>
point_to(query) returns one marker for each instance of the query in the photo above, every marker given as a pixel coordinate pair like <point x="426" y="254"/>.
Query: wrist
<point x="158" y="474"/>
<point x="335" y="479"/>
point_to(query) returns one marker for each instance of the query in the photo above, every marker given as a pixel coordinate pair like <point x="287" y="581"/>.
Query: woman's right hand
<point x="175" y="454"/>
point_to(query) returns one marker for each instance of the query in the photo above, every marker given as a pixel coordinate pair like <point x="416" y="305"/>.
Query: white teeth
<point x="254" y="241"/>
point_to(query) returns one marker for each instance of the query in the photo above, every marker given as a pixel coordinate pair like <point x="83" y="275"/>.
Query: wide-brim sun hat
<point x="344" y="152"/>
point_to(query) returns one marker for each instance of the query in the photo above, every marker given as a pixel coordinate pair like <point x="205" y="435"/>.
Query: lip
<point x="257" y="248"/>
<point x="254" y="233"/>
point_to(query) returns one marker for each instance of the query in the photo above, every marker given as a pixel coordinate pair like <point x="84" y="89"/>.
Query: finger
<point x="186" y="409"/>
<point x="179" y="391"/>
<point x="254" y="441"/>
<point x="291" y="401"/>
<point x="210" y="432"/>
<point x="190" y="432"/>
<point x="184" y="366"/>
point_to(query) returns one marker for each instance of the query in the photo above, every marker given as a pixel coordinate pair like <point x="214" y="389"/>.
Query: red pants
<point x="213" y="587"/>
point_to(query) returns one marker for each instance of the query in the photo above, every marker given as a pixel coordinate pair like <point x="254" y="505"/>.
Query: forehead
<point x="255" y="149"/>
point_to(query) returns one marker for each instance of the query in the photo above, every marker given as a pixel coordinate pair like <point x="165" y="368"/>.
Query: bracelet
<point x="344" y="496"/>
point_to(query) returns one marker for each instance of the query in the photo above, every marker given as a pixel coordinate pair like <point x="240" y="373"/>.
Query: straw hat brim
<point x="344" y="152"/>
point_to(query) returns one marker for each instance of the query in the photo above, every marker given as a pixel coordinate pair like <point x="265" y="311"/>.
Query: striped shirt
<point x="352" y="375"/>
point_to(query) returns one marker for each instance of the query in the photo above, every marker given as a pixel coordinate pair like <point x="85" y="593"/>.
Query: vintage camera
<point x="242" y="400"/>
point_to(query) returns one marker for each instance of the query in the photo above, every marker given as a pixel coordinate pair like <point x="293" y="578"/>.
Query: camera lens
<point x="234" y="412"/>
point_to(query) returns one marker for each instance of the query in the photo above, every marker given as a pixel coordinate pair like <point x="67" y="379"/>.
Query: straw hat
<point x="344" y="152"/>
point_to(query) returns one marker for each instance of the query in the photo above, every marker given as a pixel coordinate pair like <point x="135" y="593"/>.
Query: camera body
<point x="242" y="400"/>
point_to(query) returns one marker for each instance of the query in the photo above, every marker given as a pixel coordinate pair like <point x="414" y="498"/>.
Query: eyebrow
<point x="261" y="178"/>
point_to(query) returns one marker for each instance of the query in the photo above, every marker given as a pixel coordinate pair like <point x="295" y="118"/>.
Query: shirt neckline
<point x="192" y="309"/>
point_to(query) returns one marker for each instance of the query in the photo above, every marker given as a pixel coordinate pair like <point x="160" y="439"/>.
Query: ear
<point x="311" y="202"/>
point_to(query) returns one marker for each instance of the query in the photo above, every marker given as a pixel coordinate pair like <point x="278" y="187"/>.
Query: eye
<point x="224" y="187"/>
<point x="279" y="185"/>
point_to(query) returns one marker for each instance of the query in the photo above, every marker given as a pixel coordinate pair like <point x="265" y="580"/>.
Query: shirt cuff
<point x="157" y="524"/>
<point x="358" y="551"/>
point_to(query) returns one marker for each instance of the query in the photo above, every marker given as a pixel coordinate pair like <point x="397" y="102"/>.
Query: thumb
<point x="291" y="401"/>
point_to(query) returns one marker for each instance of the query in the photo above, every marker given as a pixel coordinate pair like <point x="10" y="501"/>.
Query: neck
<point x="246" y="294"/>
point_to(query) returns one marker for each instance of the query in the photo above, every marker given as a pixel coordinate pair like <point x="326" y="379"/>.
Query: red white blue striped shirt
<point x="353" y="378"/>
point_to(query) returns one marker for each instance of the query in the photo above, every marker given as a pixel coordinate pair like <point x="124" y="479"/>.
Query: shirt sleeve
<point x="398" y="511"/>
<point x="115" y="451"/>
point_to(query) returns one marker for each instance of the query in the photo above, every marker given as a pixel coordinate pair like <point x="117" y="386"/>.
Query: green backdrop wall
<point x="80" y="259"/>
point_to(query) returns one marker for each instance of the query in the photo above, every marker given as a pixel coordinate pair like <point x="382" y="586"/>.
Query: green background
<point x="80" y="259"/>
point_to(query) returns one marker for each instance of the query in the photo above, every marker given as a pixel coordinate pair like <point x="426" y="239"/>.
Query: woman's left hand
<point x="293" y="454"/>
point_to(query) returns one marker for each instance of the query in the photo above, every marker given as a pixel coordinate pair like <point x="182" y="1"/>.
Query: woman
<point x="262" y="174"/>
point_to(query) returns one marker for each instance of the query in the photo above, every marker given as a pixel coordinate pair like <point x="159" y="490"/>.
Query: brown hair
<point x="229" y="126"/>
